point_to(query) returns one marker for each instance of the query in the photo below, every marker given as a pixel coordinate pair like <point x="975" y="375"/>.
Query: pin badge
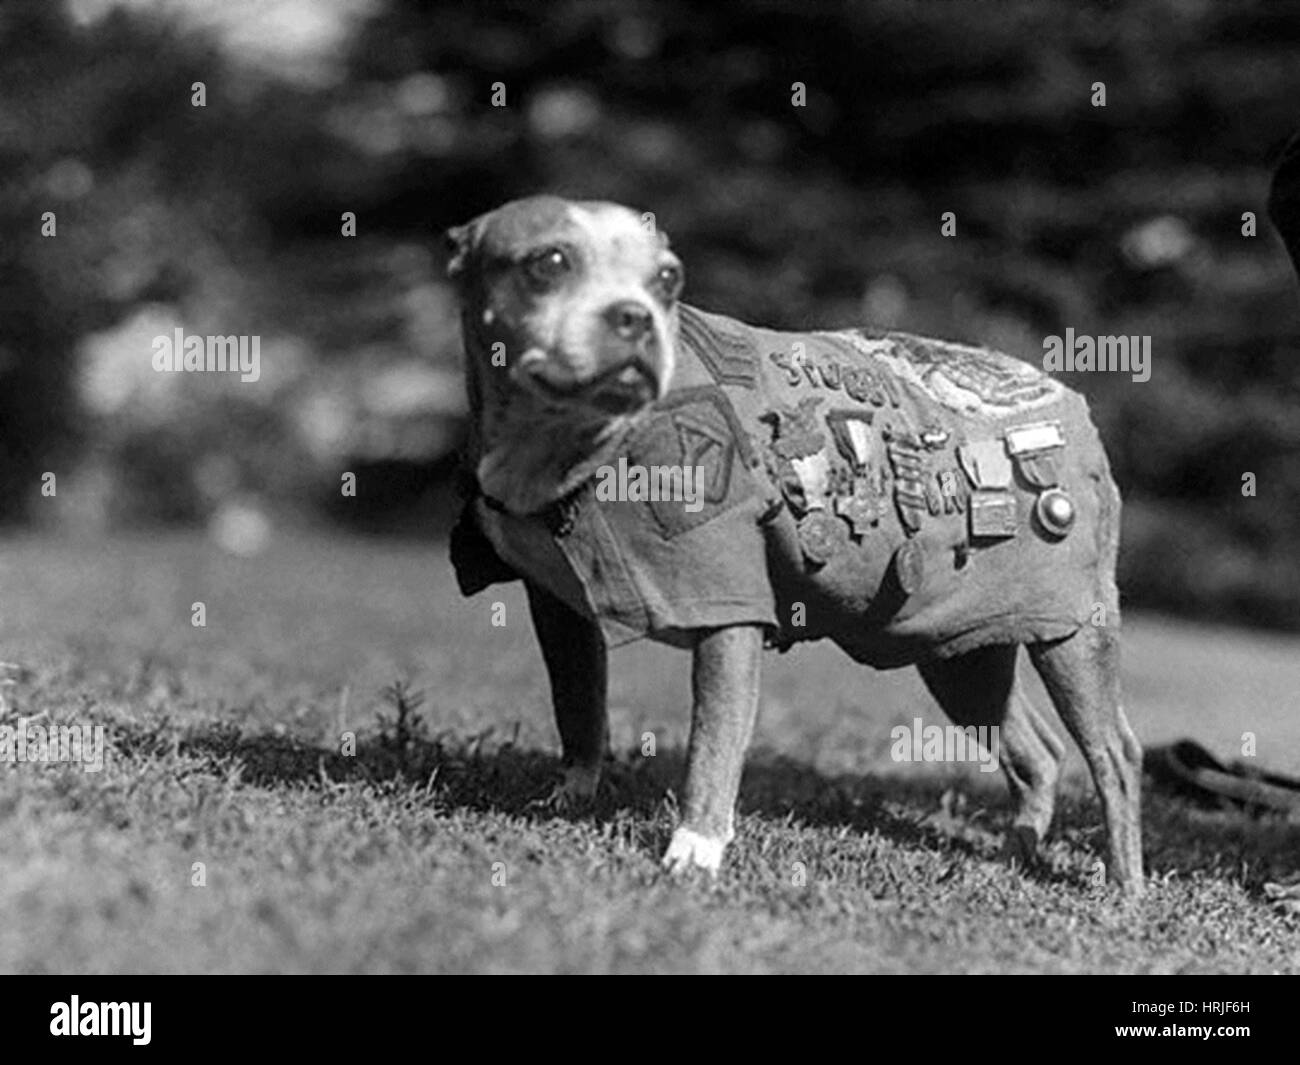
<point x="909" y="567"/>
<point x="861" y="509"/>
<point x="934" y="437"/>
<point x="852" y="433"/>
<point x="908" y="462"/>
<point x="933" y="500"/>
<point x="986" y="463"/>
<point x="1036" y="450"/>
<point x="820" y="537"/>
<point x="1040" y="436"/>
<point x="992" y="513"/>
<point x="814" y="472"/>
<point x="1055" y="512"/>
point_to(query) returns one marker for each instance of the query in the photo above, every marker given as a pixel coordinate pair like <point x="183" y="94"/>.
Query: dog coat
<point x="908" y="498"/>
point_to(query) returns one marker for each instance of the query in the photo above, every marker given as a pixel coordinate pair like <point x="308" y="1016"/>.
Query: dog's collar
<point x="558" y="517"/>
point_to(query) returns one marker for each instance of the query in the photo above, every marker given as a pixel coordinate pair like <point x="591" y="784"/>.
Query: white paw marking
<point x="690" y="850"/>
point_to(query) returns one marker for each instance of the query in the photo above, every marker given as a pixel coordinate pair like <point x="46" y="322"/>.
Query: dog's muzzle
<point x="627" y="385"/>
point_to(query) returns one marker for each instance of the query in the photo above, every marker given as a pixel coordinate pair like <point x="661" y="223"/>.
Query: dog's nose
<point x="629" y="320"/>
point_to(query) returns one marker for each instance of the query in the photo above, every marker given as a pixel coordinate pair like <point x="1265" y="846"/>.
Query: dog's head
<point x="568" y="302"/>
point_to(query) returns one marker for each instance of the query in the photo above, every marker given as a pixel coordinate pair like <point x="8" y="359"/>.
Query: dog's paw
<point x="577" y="789"/>
<point x="689" y="850"/>
<point x="1020" y="846"/>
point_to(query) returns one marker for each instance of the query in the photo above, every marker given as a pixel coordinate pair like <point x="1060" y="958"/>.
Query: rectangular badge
<point x="986" y="463"/>
<point x="992" y="514"/>
<point x="1036" y="437"/>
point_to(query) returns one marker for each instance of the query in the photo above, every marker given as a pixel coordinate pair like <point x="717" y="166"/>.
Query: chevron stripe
<point x="729" y="360"/>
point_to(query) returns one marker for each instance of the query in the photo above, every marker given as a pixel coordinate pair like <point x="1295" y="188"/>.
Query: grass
<point x="425" y="851"/>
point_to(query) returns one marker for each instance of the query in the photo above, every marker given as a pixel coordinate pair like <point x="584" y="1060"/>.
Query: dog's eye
<point x="669" y="280"/>
<point x="547" y="266"/>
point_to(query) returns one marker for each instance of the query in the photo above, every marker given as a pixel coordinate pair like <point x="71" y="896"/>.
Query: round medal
<point x="820" y="537"/>
<point x="1055" y="512"/>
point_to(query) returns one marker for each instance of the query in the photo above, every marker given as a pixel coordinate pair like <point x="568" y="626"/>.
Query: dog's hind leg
<point x="1081" y="673"/>
<point x="981" y="688"/>
<point x="576" y="662"/>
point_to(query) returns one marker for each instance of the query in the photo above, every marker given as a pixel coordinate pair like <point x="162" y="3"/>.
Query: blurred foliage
<point x="226" y="219"/>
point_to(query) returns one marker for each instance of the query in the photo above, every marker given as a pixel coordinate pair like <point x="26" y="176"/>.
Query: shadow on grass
<point x="952" y="811"/>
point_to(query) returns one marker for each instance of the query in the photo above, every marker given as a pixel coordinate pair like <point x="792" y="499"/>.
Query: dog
<point x="918" y="502"/>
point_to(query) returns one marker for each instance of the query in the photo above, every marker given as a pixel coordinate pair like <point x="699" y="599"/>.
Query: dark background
<point x="226" y="219"/>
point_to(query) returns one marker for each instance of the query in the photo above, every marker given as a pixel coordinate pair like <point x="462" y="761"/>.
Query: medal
<point x="992" y="513"/>
<point x="1055" y="512"/>
<point x="861" y="509"/>
<point x="1036" y="450"/>
<point x="820" y="537"/>
<point x="909" y="567"/>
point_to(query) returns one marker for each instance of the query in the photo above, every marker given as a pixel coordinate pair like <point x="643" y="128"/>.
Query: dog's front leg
<point x="576" y="662"/>
<point x="724" y="687"/>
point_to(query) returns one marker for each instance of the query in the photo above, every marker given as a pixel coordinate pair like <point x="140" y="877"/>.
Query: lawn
<point x="425" y="851"/>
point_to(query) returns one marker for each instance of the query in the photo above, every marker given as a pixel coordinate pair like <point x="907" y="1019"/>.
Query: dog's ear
<point x="461" y="243"/>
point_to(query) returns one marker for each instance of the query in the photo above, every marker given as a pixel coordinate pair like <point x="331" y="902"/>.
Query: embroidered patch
<point x="694" y="427"/>
<point x="728" y="356"/>
<point x="802" y="367"/>
<point x="960" y="377"/>
<point x="699" y="442"/>
<point x="865" y="383"/>
<point x="907" y="457"/>
<point x="990" y="376"/>
<point x="819" y="368"/>
<point x="862" y="386"/>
